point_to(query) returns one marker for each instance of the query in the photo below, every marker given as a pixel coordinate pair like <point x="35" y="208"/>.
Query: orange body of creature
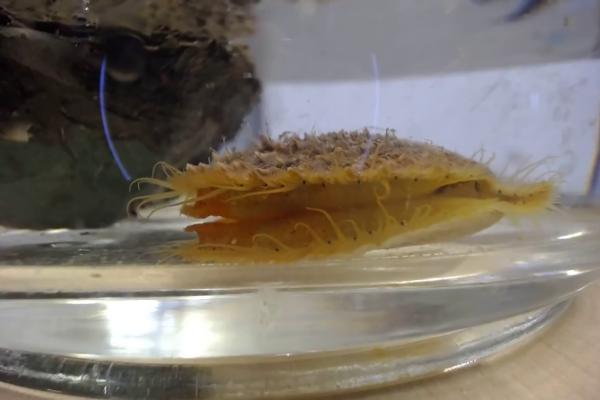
<point x="338" y="193"/>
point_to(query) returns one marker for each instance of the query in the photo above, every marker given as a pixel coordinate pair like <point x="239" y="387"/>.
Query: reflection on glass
<point x="132" y="324"/>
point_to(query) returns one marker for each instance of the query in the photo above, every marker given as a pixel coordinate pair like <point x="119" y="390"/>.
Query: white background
<point x="530" y="89"/>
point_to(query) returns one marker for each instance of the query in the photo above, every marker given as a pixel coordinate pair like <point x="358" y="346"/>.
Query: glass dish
<point x="95" y="93"/>
<point x="90" y="313"/>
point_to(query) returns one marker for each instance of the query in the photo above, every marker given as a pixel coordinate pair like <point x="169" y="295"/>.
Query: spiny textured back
<point x="356" y="150"/>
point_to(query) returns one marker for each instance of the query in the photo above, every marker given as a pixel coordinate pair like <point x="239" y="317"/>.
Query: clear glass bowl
<point x="94" y="93"/>
<point x="89" y="312"/>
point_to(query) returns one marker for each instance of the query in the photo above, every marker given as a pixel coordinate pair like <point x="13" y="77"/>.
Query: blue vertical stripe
<point x="107" y="134"/>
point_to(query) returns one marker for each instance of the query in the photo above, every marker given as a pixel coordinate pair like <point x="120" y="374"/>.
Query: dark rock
<point x="174" y="91"/>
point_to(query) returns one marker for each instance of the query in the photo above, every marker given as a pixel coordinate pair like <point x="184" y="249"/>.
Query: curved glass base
<point x="278" y="377"/>
<point x="91" y="313"/>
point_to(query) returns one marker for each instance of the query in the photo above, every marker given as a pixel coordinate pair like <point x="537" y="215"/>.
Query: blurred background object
<point x="177" y="86"/>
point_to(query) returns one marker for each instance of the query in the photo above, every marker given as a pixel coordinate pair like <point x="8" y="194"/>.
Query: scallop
<point x="338" y="194"/>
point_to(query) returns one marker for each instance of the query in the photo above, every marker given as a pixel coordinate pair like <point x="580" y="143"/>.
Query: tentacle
<point x="407" y="201"/>
<point x="167" y="169"/>
<point x="151" y="198"/>
<point x="478" y="153"/>
<point x="420" y="212"/>
<point x="192" y="199"/>
<point x="208" y="195"/>
<point x="232" y="188"/>
<point x="166" y="257"/>
<point x="179" y="203"/>
<point x="490" y="160"/>
<point x="528" y="171"/>
<point x="381" y="224"/>
<point x="387" y="217"/>
<point x="428" y="209"/>
<point x="222" y="246"/>
<point x="375" y="152"/>
<point x="151" y="181"/>
<point x="268" y="181"/>
<point x="261" y="193"/>
<point x="502" y="172"/>
<point x="555" y="207"/>
<point x="354" y="227"/>
<point x="310" y="230"/>
<point x="336" y="160"/>
<point x="386" y="190"/>
<point x="278" y="243"/>
<point x="334" y="225"/>
<point x="552" y="176"/>
<point x="415" y="215"/>
<point x="522" y="173"/>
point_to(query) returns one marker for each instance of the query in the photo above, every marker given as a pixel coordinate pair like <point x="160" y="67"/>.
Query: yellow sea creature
<point x="338" y="193"/>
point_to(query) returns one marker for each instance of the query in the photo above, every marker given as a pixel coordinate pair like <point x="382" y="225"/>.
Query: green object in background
<point x="74" y="185"/>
